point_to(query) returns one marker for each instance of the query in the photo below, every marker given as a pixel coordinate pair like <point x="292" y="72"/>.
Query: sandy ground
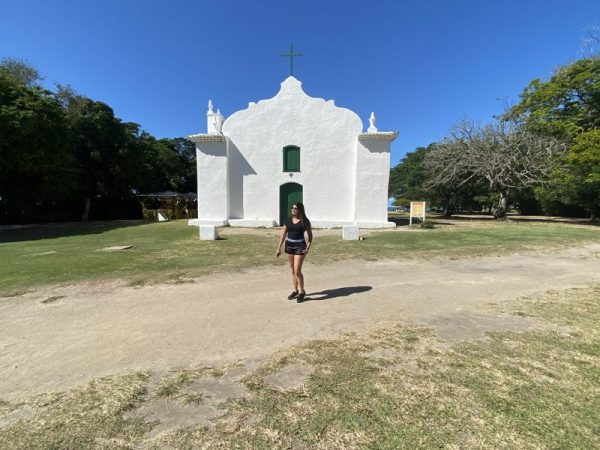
<point x="59" y="337"/>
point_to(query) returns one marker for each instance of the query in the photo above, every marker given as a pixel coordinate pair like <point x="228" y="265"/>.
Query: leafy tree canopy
<point x="504" y="156"/>
<point x="64" y="156"/>
<point x="565" y="105"/>
<point x="36" y="161"/>
<point x="577" y="180"/>
<point x="408" y="178"/>
<point x="20" y="71"/>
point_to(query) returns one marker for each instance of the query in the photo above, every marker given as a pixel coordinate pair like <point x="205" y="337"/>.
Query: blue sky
<point x="420" y="65"/>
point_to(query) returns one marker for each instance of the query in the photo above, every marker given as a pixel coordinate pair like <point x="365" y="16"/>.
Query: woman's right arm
<point x="283" y="235"/>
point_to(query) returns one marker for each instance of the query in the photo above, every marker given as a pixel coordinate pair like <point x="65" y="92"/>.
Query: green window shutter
<point x="291" y="159"/>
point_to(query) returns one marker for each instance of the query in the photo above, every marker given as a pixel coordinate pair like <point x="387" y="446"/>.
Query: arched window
<point x="291" y="158"/>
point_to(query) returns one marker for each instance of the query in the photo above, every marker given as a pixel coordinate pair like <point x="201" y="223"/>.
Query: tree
<point x="101" y="149"/>
<point x="446" y="181"/>
<point x="565" y="105"/>
<point x="36" y="156"/>
<point x="117" y="159"/>
<point x="503" y="155"/>
<point x="408" y="177"/>
<point x="61" y="149"/>
<point x="577" y="180"/>
<point x="186" y="170"/>
<point x="20" y="71"/>
<point x="412" y="179"/>
<point x="526" y="201"/>
<point x="164" y="169"/>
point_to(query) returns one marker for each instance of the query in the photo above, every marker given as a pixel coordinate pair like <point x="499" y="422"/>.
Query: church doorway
<point x="288" y="194"/>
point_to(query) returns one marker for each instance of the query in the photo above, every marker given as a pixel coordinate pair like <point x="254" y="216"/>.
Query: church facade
<point x="253" y="165"/>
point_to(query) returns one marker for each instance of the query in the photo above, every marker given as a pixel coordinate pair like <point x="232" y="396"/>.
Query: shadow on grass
<point x="569" y="220"/>
<point x="441" y="224"/>
<point x="58" y="230"/>
<point x="399" y="221"/>
<point x="512" y="217"/>
<point x="338" y="292"/>
<point x="463" y="217"/>
<point x="405" y="221"/>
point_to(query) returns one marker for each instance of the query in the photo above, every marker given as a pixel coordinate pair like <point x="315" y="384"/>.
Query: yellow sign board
<point x="417" y="209"/>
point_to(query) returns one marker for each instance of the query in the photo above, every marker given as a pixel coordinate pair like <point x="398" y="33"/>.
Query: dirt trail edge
<point x="59" y="337"/>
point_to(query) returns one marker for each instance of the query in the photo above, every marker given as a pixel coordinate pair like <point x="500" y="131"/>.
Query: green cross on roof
<point x="291" y="54"/>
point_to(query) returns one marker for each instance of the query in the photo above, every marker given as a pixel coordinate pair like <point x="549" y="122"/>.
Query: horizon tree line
<point x="64" y="156"/>
<point x="541" y="155"/>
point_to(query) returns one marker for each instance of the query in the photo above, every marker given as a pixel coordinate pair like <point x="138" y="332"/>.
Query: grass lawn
<point x="391" y="388"/>
<point x="171" y="251"/>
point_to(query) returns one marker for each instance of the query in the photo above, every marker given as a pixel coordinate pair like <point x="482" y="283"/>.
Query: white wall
<point x="344" y="177"/>
<point x="372" y="175"/>
<point x="326" y="136"/>
<point x="213" y="202"/>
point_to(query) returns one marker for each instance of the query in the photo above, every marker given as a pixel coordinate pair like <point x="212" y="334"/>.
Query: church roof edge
<point x="291" y="85"/>
<point x="206" y="138"/>
<point x="380" y="135"/>
<point x="292" y="78"/>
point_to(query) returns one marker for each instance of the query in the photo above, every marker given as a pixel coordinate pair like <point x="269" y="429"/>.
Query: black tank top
<point x="295" y="231"/>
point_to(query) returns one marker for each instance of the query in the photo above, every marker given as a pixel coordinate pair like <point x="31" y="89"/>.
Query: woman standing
<point x="296" y="247"/>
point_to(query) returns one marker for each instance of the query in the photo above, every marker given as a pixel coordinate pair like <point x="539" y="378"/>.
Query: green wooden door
<point x="288" y="194"/>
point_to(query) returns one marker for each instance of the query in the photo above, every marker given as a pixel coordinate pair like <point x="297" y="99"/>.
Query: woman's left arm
<point x="310" y="238"/>
<point x="281" y="239"/>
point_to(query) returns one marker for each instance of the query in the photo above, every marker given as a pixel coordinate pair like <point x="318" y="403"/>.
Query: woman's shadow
<point x="337" y="292"/>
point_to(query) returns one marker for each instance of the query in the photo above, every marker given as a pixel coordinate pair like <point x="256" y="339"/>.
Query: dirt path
<point x="60" y="337"/>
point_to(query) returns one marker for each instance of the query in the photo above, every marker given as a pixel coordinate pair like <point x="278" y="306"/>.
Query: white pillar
<point x="350" y="233"/>
<point x="208" y="233"/>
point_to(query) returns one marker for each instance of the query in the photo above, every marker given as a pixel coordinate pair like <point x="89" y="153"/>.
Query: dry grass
<point x="391" y="388"/>
<point x="87" y="417"/>
<point x="513" y="390"/>
<point x="172" y="385"/>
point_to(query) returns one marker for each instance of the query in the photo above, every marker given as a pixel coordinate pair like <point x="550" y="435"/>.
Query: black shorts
<point x="295" y="248"/>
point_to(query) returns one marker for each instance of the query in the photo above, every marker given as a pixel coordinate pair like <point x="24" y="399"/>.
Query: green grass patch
<point x="161" y="252"/>
<point x="455" y="241"/>
<point x="391" y="388"/>
<point x="172" y="252"/>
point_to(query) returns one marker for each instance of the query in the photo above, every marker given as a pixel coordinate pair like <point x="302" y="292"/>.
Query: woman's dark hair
<point x="305" y="221"/>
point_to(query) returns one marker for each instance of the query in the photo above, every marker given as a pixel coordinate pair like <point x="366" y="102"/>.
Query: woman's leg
<point x="294" y="280"/>
<point x="298" y="260"/>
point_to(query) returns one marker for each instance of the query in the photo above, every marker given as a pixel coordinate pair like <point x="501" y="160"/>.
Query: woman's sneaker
<point x="300" y="298"/>
<point x="293" y="295"/>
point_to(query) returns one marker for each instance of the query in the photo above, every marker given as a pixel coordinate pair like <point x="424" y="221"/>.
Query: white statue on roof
<point x="372" y="128"/>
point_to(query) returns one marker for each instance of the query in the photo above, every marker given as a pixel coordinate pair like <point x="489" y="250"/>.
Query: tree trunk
<point x="86" y="209"/>
<point x="502" y="209"/>
<point x="447" y="209"/>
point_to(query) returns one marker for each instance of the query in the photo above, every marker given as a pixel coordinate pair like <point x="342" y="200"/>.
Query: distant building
<point x="168" y="205"/>
<point x="253" y="165"/>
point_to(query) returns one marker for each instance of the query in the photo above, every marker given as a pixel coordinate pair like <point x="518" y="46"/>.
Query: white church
<point x="254" y="164"/>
